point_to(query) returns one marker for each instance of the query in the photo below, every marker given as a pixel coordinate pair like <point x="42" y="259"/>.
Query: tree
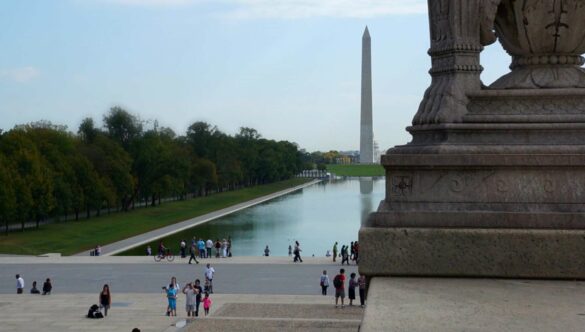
<point x="7" y="193"/>
<point x="201" y="137"/>
<point x="114" y="167"/>
<point x="122" y="126"/>
<point x="87" y="131"/>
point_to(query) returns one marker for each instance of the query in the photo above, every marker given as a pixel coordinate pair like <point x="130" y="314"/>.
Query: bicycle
<point x="167" y="254"/>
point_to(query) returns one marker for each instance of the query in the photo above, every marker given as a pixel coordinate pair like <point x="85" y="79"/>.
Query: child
<point x="352" y="285"/>
<point x="206" y="303"/>
<point x="206" y="286"/>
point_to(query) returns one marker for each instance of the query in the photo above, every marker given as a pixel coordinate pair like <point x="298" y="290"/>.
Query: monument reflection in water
<point x="317" y="216"/>
<point x="367" y="191"/>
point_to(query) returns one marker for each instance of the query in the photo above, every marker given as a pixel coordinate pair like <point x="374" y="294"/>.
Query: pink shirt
<point x="206" y="303"/>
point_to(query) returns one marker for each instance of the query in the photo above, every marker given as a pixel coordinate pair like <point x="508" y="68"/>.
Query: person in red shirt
<point x="339" y="284"/>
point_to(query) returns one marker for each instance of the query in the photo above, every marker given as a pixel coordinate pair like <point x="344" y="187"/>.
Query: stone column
<point x="493" y="182"/>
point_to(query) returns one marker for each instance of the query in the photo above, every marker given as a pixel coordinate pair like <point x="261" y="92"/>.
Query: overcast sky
<point x="288" y="68"/>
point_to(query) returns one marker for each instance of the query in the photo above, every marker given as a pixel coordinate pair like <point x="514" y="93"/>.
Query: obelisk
<point x="366" y="131"/>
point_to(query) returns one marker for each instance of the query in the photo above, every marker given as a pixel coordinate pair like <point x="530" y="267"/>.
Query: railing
<point x="314" y="173"/>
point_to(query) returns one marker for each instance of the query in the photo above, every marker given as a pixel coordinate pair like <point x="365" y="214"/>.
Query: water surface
<point x="316" y="216"/>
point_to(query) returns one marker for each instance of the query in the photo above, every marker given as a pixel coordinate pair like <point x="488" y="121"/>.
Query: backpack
<point x="337" y="283"/>
<point x="94" y="312"/>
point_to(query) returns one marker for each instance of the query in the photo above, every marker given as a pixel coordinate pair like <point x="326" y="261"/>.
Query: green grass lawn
<point x="356" y="170"/>
<point x="72" y="237"/>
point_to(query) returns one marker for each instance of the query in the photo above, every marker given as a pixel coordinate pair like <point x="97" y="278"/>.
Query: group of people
<point x="198" y="248"/>
<point x="339" y="285"/>
<point x="195" y="294"/>
<point x="97" y="251"/>
<point x="347" y="253"/>
<point x="47" y="286"/>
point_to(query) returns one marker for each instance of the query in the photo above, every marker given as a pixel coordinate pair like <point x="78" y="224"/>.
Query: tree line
<point x="48" y="172"/>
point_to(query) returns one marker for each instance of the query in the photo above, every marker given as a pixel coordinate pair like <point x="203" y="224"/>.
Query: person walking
<point x="229" y="246"/>
<point x="297" y="252"/>
<point x="266" y="251"/>
<point x="206" y="304"/>
<point x="148" y="251"/>
<point x="344" y="255"/>
<point x="339" y="284"/>
<point x="209" y="272"/>
<point x="351" y="288"/>
<point x="192" y="251"/>
<point x="351" y="251"/>
<point x="334" y="251"/>
<point x="198" y="292"/>
<point x="47" y="287"/>
<point x="289" y="250"/>
<point x="362" y="287"/>
<point x="105" y="299"/>
<point x="356" y="258"/>
<point x="208" y="246"/>
<point x="324" y="282"/>
<point x="19" y="284"/>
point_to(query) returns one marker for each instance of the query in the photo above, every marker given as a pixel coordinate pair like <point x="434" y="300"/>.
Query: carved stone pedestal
<point x="493" y="182"/>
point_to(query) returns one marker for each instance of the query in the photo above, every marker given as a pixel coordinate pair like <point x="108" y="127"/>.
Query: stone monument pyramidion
<point x="366" y="130"/>
<point x="493" y="182"/>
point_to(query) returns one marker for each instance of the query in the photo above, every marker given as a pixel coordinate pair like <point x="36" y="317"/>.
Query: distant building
<point x="348" y="157"/>
<point x="377" y="153"/>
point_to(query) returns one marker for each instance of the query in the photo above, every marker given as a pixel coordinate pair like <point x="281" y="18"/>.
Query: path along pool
<point x="316" y="216"/>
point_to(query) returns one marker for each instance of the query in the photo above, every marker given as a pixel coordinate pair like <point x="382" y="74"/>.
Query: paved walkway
<point x="436" y="304"/>
<point x="135" y="241"/>
<point x="66" y="312"/>
<point x="57" y="259"/>
<point x="241" y="275"/>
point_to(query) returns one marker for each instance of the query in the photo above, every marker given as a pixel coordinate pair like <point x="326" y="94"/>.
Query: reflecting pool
<point x="316" y="216"/>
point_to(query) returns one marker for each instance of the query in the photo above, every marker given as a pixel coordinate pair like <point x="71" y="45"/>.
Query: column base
<point x="472" y="252"/>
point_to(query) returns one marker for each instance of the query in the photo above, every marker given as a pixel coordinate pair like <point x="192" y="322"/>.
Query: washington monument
<point x="366" y="133"/>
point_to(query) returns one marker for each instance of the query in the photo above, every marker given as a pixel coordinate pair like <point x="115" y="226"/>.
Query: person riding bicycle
<point x="162" y="250"/>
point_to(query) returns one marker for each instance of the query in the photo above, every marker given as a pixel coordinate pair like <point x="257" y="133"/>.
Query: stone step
<point x="271" y="325"/>
<point x="289" y="311"/>
<point x="268" y="317"/>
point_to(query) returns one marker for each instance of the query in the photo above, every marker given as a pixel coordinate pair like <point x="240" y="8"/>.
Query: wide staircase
<point x="268" y="317"/>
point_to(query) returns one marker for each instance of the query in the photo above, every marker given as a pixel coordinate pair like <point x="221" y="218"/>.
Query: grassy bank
<point x="73" y="237"/>
<point x="356" y="170"/>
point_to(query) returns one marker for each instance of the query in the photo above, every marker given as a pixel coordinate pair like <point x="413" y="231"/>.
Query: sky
<point x="288" y="68"/>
